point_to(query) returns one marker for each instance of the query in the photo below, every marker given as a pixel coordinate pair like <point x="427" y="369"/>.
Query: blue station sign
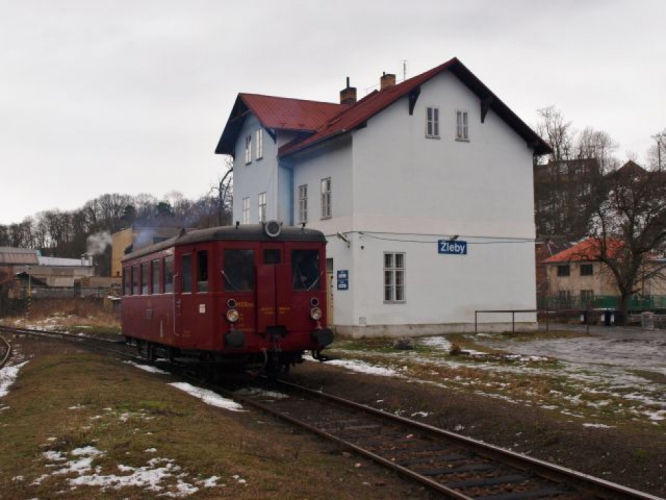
<point x="452" y="247"/>
<point x="343" y="280"/>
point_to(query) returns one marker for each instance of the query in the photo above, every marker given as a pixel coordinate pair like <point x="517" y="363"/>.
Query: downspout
<point x="290" y="173"/>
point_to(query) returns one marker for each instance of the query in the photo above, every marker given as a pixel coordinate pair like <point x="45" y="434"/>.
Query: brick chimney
<point x="387" y="80"/>
<point x="348" y="95"/>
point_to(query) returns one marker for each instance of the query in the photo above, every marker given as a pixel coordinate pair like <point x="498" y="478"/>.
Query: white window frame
<point x="462" y="125"/>
<point x="246" y="211"/>
<point x="260" y="144"/>
<point x="303" y="203"/>
<point x="262" y="207"/>
<point x="432" y="122"/>
<point x="395" y="276"/>
<point x="326" y="210"/>
<point x="248" y="149"/>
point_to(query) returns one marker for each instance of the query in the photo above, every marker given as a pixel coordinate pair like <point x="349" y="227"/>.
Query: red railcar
<point x="246" y="294"/>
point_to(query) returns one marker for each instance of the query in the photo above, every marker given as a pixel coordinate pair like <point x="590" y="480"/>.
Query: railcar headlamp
<point x="232" y="315"/>
<point x="315" y="313"/>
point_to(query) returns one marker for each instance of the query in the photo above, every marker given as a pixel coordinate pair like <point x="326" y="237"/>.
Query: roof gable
<point x="357" y="114"/>
<point x="277" y="113"/>
<point x="322" y="121"/>
<point x="587" y="251"/>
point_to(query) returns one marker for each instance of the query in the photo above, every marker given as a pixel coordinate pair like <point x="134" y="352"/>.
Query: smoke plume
<point x="97" y="243"/>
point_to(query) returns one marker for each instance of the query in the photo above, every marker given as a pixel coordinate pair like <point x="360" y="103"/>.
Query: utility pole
<point x="29" y="292"/>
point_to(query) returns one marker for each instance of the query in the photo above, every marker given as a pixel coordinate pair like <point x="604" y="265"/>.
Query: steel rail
<point x="67" y="337"/>
<point x="541" y="468"/>
<point x="8" y="352"/>
<point x="582" y="482"/>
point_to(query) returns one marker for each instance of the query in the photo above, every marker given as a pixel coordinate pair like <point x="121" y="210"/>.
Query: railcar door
<point x="273" y="291"/>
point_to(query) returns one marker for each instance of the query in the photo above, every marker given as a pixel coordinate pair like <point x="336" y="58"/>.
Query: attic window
<point x="260" y="144"/>
<point x="462" y="126"/>
<point x="248" y="149"/>
<point x="432" y="122"/>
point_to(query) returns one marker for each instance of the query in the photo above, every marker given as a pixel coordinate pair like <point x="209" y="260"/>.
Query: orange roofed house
<point x="575" y="278"/>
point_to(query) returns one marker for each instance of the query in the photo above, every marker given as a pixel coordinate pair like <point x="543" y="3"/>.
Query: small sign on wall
<point x="343" y="279"/>
<point x="202" y="308"/>
<point x="452" y="247"/>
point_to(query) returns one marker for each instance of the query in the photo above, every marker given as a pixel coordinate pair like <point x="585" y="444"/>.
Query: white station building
<point x="424" y="190"/>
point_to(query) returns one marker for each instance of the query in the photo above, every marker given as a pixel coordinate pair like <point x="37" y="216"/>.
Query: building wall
<point x="256" y="177"/>
<point x="119" y="242"/>
<point x="601" y="282"/>
<point x="396" y="191"/>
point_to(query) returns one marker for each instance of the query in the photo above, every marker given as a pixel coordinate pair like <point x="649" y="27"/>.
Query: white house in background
<point x="390" y="179"/>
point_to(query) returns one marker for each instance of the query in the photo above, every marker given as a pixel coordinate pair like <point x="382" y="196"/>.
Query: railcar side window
<point x="135" y="280"/>
<point x="156" y="276"/>
<point x="127" y="287"/>
<point x="187" y="273"/>
<point x="168" y="274"/>
<point x="144" y="278"/>
<point x="305" y="269"/>
<point x="202" y="271"/>
<point x="238" y="272"/>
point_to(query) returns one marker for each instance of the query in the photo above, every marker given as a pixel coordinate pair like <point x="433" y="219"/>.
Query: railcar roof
<point x="249" y="232"/>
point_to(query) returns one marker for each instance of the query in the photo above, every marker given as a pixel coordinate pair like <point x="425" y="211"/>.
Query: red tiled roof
<point x="364" y="109"/>
<point x="357" y="114"/>
<point x="281" y="113"/>
<point x="586" y="250"/>
<point x="290" y="114"/>
<point x="325" y="120"/>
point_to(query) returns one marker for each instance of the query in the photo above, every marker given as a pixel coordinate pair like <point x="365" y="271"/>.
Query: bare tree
<point x="657" y="153"/>
<point x="629" y="227"/>
<point x="555" y="130"/>
<point x="599" y="145"/>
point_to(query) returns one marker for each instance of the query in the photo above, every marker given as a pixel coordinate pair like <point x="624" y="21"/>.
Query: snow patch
<point x="363" y="367"/>
<point x="254" y="392"/>
<point x="208" y="397"/>
<point x="8" y="376"/>
<point x="147" y="368"/>
<point x="439" y="343"/>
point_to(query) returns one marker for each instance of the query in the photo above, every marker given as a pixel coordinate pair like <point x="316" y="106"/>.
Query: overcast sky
<point x="131" y="96"/>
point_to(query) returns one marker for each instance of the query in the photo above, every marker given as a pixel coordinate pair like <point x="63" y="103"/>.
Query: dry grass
<point x="73" y="315"/>
<point x="543" y="389"/>
<point x="67" y="401"/>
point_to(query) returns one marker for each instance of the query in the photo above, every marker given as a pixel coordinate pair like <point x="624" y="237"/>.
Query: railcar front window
<point x="238" y="271"/>
<point x="202" y="271"/>
<point x="168" y="274"/>
<point x="156" y="276"/>
<point x="135" y="280"/>
<point x="272" y="256"/>
<point x="305" y="270"/>
<point x="187" y="273"/>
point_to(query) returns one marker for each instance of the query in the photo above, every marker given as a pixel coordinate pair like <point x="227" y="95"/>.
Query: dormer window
<point x="248" y="149"/>
<point x="432" y="122"/>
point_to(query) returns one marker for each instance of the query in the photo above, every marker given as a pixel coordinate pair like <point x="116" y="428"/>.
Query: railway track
<point x="453" y="465"/>
<point x="100" y="345"/>
<point x="5" y="351"/>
